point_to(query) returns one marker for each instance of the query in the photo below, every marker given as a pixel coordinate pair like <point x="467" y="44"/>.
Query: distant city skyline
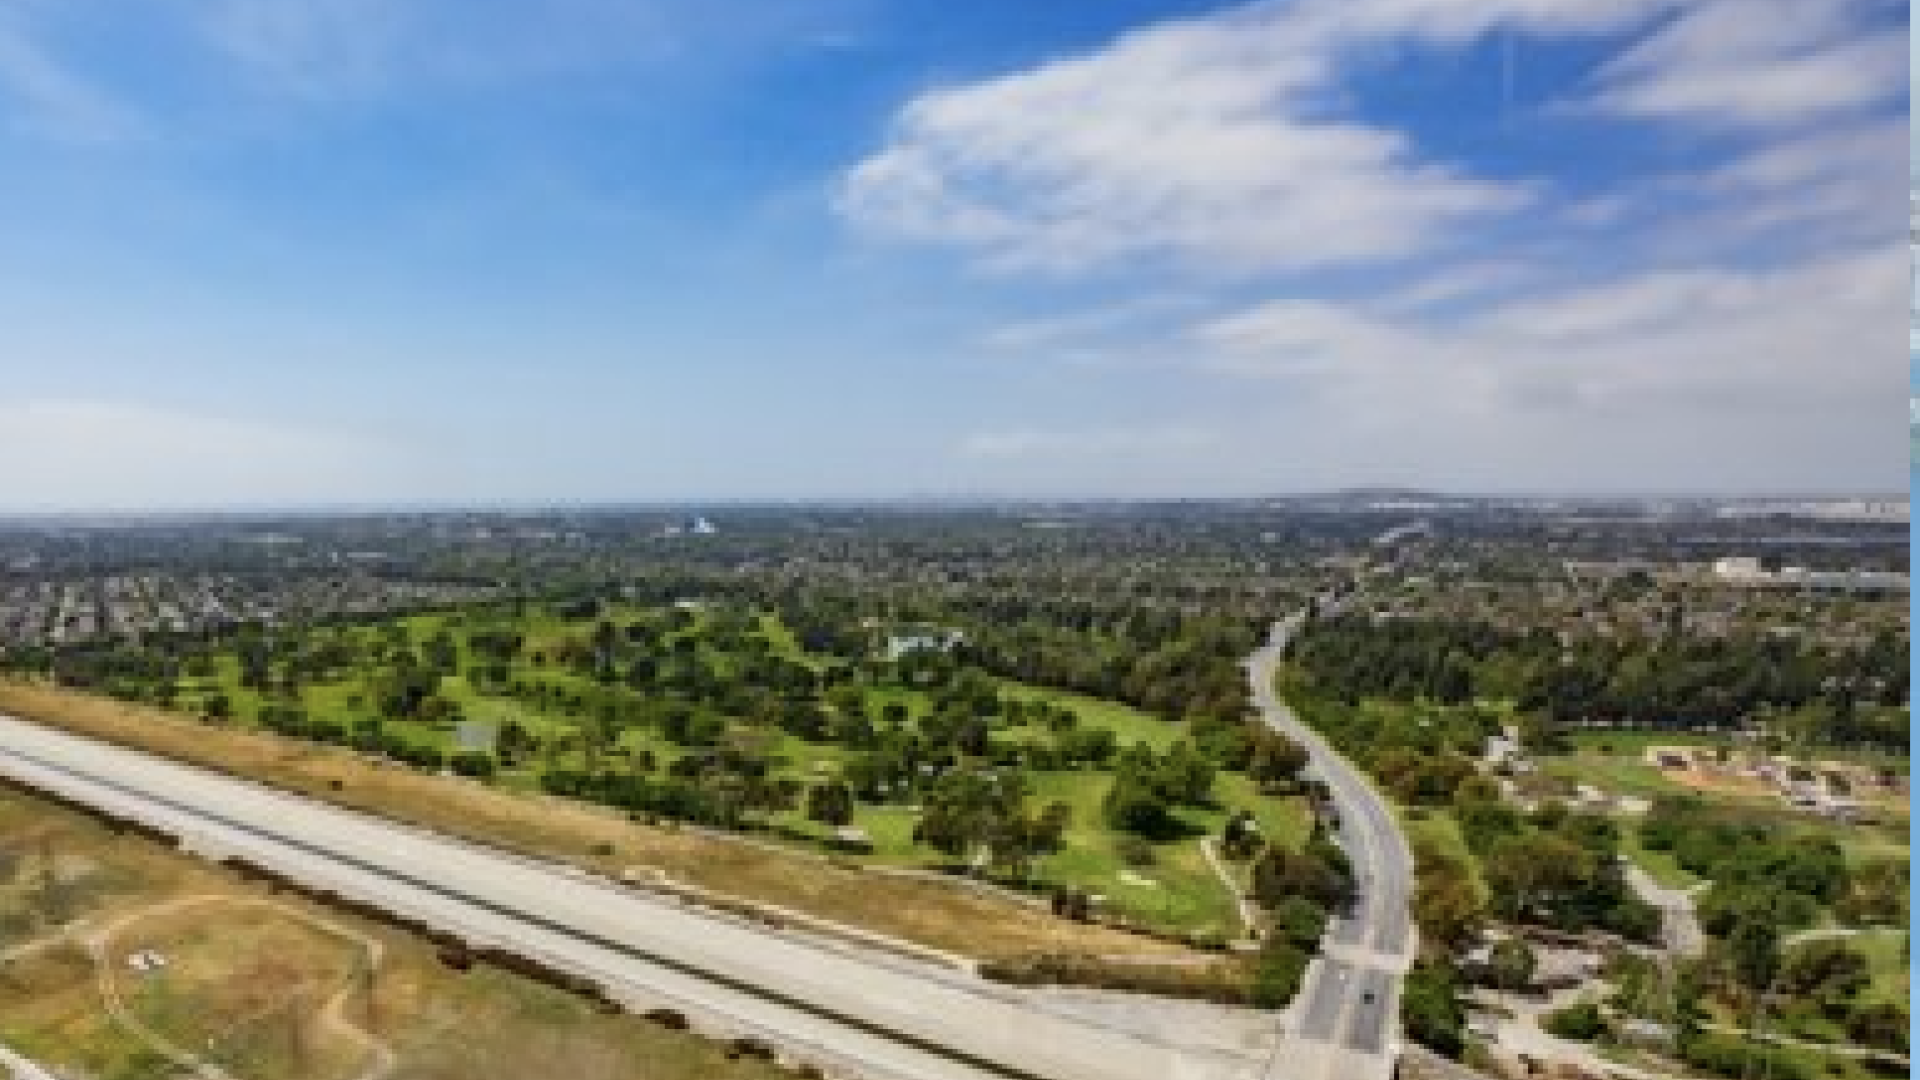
<point x="320" y="253"/>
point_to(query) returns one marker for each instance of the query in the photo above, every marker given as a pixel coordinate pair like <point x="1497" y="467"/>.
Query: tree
<point x="1136" y="806"/>
<point x="1431" y="1010"/>
<point x="1446" y="905"/>
<point x="1754" y="948"/>
<point x="1510" y="963"/>
<point x="1276" y="758"/>
<point x="1279" y="874"/>
<point x="1581" y="1022"/>
<point x="1879" y="895"/>
<point x="830" y="803"/>
<point x="1186" y="774"/>
<point x="1049" y="830"/>
<point x="1277" y="973"/>
<point x="1240" y="837"/>
<point x="1299" y="921"/>
<point x="1880" y="1024"/>
<point x="1827" y="969"/>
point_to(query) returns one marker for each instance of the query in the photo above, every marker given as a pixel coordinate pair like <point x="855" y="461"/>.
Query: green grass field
<point x="1436" y="830"/>
<point x="1178" y="891"/>
<point x="1634" y="743"/>
<point x="1613" y="774"/>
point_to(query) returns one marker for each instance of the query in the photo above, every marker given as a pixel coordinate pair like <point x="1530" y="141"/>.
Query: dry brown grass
<point x="930" y="913"/>
<point x="245" y="980"/>
<point x="1720" y="783"/>
<point x="236" y="950"/>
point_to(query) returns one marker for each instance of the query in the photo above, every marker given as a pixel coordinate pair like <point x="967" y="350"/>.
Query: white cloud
<point x="313" y="48"/>
<point x="1194" y="143"/>
<point x="1076" y="328"/>
<point x="1219" y="143"/>
<point x="1714" y="324"/>
<point x="1835" y="184"/>
<point x="1212" y="144"/>
<point x="1761" y="62"/>
<point x="1472" y="281"/>
<point x="121" y="455"/>
<point x="1710" y="379"/>
<point x="1656" y="348"/>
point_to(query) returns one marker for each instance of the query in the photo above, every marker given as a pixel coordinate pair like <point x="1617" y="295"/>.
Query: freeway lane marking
<point x="1366" y="1031"/>
<point x="1329" y="988"/>
<point x="588" y="937"/>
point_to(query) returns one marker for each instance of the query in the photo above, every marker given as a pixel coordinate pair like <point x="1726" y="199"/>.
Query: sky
<point x="286" y="253"/>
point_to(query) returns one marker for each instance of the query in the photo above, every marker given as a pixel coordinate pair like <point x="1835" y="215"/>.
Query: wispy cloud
<point x="1207" y="144"/>
<point x="1711" y="319"/>
<point x="1470" y="281"/>
<point x="314" y="48"/>
<point x="1217" y="143"/>
<point x="1662" y="346"/>
<point x="1107" y="444"/>
<point x="1077" y="328"/>
<point x="1761" y="62"/>
<point x="52" y="99"/>
<point x="351" y="50"/>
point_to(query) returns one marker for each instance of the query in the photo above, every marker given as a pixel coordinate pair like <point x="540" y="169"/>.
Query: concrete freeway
<point x="21" y="1068"/>
<point x="1345" y="1022"/>
<point x="846" y="1010"/>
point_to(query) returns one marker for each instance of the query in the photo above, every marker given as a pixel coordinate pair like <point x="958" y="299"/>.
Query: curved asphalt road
<point x="848" y="1011"/>
<point x="1346" y="1018"/>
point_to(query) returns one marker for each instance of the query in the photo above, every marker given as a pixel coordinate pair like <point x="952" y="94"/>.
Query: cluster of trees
<point x="1667" y="681"/>
<point x="987" y="820"/>
<point x="1766" y="879"/>
<point x="1554" y="867"/>
<point x="1421" y="753"/>
<point x="1147" y="787"/>
<point x="931" y="728"/>
<point x="719" y="790"/>
<point x="1299" y="890"/>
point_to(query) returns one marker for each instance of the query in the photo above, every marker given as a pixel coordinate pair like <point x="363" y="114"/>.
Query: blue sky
<point x="289" y="252"/>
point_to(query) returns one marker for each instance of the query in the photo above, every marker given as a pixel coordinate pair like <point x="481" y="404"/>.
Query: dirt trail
<point x="333" y="1014"/>
<point x="1249" y="913"/>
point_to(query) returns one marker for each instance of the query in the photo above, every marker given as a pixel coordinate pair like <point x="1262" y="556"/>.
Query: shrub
<point x="1224" y="982"/>
<point x="1276" y="977"/>
<point x="1135" y="851"/>
<point x="1581" y="1023"/>
<point x="473" y="763"/>
<point x="1431" y="1010"/>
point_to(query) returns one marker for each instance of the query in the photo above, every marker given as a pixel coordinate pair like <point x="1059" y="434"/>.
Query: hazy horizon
<point x="715" y="507"/>
<point x="345" y="253"/>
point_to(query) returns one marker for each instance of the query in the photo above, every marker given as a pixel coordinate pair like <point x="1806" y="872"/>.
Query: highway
<point x="846" y="1010"/>
<point x="21" y="1068"/>
<point x="1345" y="1023"/>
